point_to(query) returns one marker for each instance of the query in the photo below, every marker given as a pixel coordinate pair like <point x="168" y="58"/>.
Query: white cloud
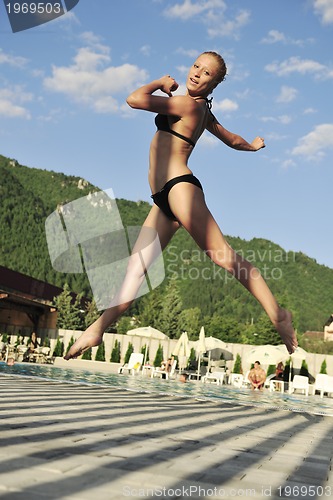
<point x="17" y="61"/>
<point x="244" y="94"/>
<point x="66" y="21"/>
<point x="309" y="111"/>
<point x="274" y="136"/>
<point x="145" y="50"/>
<point x="90" y="80"/>
<point x="90" y="38"/>
<point x="315" y="144"/>
<point x="324" y="8"/>
<point x="212" y="14"/>
<point x="223" y="27"/>
<point x="183" y="70"/>
<point x="192" y="53"/>
<point x="301" y="66"/>
<point x="187" y="9"/>
<point x="283" y="119"/>
<point x="10" y="100"/>
<point x="287" y="94"/>
<point x="182" y="89"/>
<point x="288" y="164"/>
<point x="208" y="140"/>
<point x="53" y="116"/>
<point x="275" y="36"/>
<point x="225" y="105"/>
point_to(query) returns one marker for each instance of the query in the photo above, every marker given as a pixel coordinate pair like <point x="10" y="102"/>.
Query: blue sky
<point x="63" y="87"/>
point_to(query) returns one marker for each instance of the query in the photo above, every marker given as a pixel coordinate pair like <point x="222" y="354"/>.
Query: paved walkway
<point x="68" y="441"/>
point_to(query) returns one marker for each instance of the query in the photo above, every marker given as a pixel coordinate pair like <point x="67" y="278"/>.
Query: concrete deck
<point x="68" y="441"/>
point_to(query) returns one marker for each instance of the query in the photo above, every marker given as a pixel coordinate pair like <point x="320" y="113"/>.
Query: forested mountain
<point x="28" y="196"/>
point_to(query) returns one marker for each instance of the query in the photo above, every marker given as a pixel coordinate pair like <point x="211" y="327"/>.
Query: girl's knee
<point x="136" y="268"/>
<point x="224" y="258"/>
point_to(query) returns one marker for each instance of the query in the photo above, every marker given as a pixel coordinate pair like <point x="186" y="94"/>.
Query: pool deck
<point x="74" y="441"/>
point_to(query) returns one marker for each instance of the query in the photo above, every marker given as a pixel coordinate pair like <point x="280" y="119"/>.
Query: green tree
<point x="159" y="356"/>
<point x="4" y="338"/>
<point x="249" y="334"/>
<point x="189" y="320"/>
<point x="69" y="310"/>
<point x="59" y="349"/>
<point x="193" y="355"/>
<point x="266" y="333"/>
<point x="270" y="370"/>
<point x="238" y="364"/>
<point x="224" y="328"/>
<point x="129" y="351"/>
<point x="150" y="309"/>
<point x="304" y="371"/>
<point x="100" y="354"/>
<point x="323" y="368"/>
<point x="70" y="343"/>
<point x="143" y="351"/>
<point x="91" y="313"/>
<point x="46" y="342"/>
<point x="124" y="324"/>
<point x="87" y="354"/>
<point x="115" y="354"/>
<point x="286" y="371"/>
<point x="18" y="340"/>
<point x="171" y="310"/>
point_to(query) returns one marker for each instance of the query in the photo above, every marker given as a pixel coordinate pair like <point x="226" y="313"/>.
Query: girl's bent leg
<point x="194" y="215"/>
<point x="135" y="275"/>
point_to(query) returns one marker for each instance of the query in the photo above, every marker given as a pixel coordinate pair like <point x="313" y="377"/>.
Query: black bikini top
<point x="162" y="123"/>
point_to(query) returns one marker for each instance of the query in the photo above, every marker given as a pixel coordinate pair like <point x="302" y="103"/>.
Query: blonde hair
<point x="222" y="71"/>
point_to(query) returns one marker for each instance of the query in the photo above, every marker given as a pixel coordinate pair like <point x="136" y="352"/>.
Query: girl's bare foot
<point x="90" y="338"/>
<point x="286" y="331"/>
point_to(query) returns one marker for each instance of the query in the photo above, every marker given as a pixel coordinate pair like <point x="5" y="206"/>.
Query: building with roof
<point x="26" y="304"/>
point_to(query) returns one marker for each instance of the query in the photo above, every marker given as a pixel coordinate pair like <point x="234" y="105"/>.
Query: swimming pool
<point x="244" y="396"/>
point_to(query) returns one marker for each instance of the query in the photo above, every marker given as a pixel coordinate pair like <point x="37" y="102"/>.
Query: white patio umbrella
<point x="266" y="355"/>
<point x="200" y="347"/>
<point x="182" y="350"/>
<point x="298" y="354"/>
<point x="215" y="344"/>
<point x="147" y="332"/>
<point x="220" y="347"/>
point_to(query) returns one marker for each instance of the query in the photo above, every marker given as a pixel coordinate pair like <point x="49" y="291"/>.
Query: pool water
<point x="197" y="390"/>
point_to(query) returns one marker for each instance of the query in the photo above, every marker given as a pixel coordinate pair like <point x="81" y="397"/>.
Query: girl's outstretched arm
<point x="232" y="140"/>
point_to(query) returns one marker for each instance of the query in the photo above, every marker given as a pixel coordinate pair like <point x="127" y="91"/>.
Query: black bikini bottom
<point x="161" y="197"/>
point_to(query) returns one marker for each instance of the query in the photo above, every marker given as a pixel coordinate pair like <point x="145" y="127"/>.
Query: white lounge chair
<point x="246" y="381"/>
<point x="134" y="364"/>
<point x="301" y="383"/>
<point x="214" y="378"/>
<point x="159" y="372"/>
<point x="236" y="379"/>
<point x="21" y="351"/>
<point x="320" y="383"/>
<point x="40" y="355"/>
<point x="326" y="385"/>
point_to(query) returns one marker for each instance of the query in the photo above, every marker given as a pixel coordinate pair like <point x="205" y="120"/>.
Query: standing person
<point x="257" y="376"/>
<point x="178" y="195"/>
